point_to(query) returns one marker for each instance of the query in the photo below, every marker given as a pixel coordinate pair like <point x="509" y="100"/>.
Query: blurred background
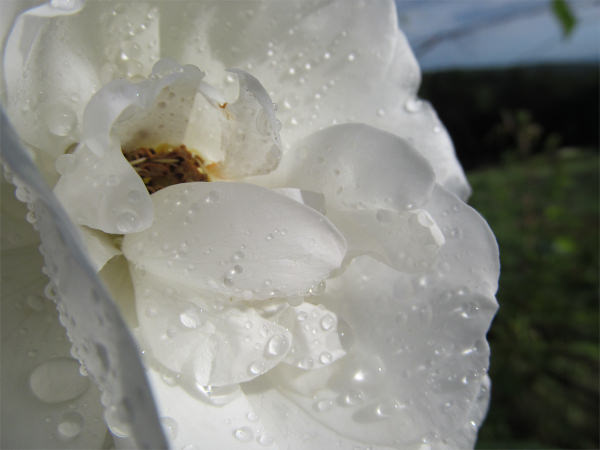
<point x="516" y="82"/>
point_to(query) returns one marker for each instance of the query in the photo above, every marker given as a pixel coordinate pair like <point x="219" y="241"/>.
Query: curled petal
<point x="250" y="135"/>
<point x="236" y="240"/>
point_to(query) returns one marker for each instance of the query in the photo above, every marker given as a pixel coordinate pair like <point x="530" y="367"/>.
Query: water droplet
<point x="70" y="425"/>
<point x="413" y="105"/>
<point x="228" y="281"/>
<point x="238" y="255"/>
<point x="57" y="380"/>
<point x="252" y="416"/>
<point x="212" y="197"/>
<point x="388" y="408"/>
<point x="328" y="322"/>
<point x="60" y="119"/>
<point x="256" y="368"/>
<point x="317" y="289"/>
<point x="243" y="434"/>
<point x="352" y="398"/>
<point x="323" y="405"/>
<point x="265" y="440"/>
<point x="170" y="427"/>
<point x="351" y="57"/>
<point x="306" y="363"/>
<point x="189" y="318"/>
<point x="381" y="112"/>
<point x="218" y="395"/>
<point x="117" y="420"/>
<point x="325" y="358"/>
<point x="127" y="222"/>
<point x="277" y="345"/>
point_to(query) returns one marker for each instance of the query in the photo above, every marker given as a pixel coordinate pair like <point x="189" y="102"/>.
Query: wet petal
<point x="470" y="255"/>
<point x="236" y="240"/>
<point x="250" y="135"/>
<point x="53" y="68"/>
<point x="207" y="340"/>
<point x="315" y="340"/>
<point x="416" y="356"/>
<point x="100" y="247"/>
<point x="223" y="418"/>
<point x="357" y="167"/>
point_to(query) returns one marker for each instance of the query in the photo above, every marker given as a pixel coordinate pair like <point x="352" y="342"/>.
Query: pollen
<point x="166" y="165"/>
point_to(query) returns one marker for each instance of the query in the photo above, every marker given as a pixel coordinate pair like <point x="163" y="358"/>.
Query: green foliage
<point x="544" y="340"/>
<point x="564" y="15"/>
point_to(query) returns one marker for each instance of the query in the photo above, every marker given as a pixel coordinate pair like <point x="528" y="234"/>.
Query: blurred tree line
<point x="528" y="139"/>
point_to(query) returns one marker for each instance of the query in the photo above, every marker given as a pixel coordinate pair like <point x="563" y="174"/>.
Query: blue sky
<point x="490" y="33"/>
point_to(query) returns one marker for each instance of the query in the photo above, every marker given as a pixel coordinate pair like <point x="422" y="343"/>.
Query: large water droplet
<point x="256" y="368"/>
<point x="170" y="427"/>
<point x="117" y="419"/>
<point x="58" y="380"/>
<point x="323" y="405"/>
<point x="218" y="395"/>
<point x="277" y="345"/>
<point x="70" y="425"/>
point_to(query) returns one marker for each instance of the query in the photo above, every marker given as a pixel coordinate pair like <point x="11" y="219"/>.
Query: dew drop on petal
<point x="170" y="426"/>
<point x="277" y="345"/>
<point x="189" y="318"/>
<point x="328" y="322"/>
<point x="265" y="440"/>
<point x="325" y="358"/>
<point x="212" y="197"/>
<point x="57" y="380"/>
<point x="323" y="405"/>
<point x="243" y="434"/>
<point x="70" y="425"/>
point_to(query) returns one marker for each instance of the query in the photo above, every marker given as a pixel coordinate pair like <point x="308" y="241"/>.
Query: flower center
<point x="166" y="165"/>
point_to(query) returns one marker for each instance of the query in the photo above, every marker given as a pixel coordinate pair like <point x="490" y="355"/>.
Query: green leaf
<point x="564" y="15"/>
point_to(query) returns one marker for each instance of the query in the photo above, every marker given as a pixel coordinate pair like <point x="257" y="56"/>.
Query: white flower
<point x="327" y="288"/>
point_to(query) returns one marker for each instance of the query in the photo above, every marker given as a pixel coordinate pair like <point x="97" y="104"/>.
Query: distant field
<point x="544" y="340"/>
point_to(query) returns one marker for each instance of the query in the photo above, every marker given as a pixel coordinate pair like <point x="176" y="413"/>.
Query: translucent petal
<point x="470" y="255"/>
<point x="191" y="417"/>
<point x="237" y="240"/>
<point x="208" y="341"/>
<point x="250" y="135"/>
<point x="357" y="167"/>
<point x="408" y="241"/>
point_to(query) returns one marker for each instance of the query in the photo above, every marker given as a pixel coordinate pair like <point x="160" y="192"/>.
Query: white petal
<point x="104" y="192"/>
<point x="191" y="421"/>
<point x="416" y="355"/>
<point x="53" y="66"/>
<point x="46" y="402"/>
<point x="292" y="427"/>
<point x="356" y="167"/>
<point x="408" y="241"/>
<point x="470" y="255"/>
<point x="100" y="247"/>
<point x="315" y="340"/>
<point x="311" y="67"/>
<point x="236" y="240"/>
<point x="250" y="135"/>
<point x="208" y="342"/>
